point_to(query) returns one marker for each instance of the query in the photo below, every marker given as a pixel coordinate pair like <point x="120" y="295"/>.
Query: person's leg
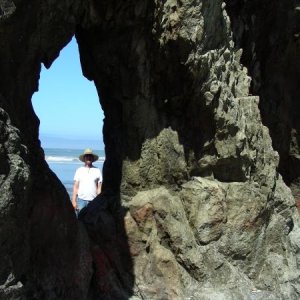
<point x="80" y="205"/>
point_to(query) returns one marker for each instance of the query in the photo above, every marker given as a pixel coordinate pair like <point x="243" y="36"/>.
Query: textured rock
<point x="45" y="253"/>
<point x="268" y="31"/>
<point x="193" y="206"/>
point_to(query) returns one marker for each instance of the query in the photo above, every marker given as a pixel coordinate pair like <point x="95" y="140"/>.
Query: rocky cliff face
<point x="268" y="31"/>
<point x="193" y="205"/>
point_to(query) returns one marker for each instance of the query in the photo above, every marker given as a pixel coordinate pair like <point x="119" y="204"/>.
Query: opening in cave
<point x="71" y="118"/>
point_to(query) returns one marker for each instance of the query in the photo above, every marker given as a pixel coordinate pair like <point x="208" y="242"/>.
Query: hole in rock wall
<point x="71" y="118"/>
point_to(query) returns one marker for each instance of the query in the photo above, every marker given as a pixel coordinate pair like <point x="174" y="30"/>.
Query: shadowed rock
<point x="268" y="32"/>
<point x="193" y="206"/>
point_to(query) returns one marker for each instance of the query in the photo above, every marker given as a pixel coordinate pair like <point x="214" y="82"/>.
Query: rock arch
<point x="193" y="205"/>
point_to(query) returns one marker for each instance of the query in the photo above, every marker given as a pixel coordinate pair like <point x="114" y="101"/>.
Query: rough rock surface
<point x="193" y="205"/>
<point x="269" y="33"/>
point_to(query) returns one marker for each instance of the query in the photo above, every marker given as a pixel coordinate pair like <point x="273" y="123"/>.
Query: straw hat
<point x="88" y="152"/>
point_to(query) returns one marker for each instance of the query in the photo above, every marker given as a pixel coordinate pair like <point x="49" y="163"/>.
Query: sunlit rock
<point x="193" y="205"/>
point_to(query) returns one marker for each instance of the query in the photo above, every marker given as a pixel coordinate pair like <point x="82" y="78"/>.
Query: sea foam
<point x="66" y="159"/>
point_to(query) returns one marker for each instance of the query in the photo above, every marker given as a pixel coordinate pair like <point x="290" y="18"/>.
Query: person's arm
<point x="99" y="185"/>
<point x="75" y="192"/>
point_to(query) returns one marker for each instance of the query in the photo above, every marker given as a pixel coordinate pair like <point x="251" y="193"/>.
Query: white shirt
<point x="88" y="179"/>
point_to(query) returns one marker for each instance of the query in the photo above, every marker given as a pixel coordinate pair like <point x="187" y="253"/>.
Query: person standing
<point x="87" y="181"/>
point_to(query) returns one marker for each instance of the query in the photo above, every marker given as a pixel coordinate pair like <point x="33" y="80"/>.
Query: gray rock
<point x="193" y="205"/>
<point x="271" y="45"/>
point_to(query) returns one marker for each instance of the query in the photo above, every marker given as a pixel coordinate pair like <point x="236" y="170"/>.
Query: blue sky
<point x="67" y="105"/>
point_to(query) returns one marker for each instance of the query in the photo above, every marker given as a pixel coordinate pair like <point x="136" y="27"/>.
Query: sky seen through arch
<point x="67" y="105"/>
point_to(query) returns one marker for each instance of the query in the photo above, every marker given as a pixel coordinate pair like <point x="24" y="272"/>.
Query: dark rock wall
<point x="268" y="32"/>
<point x="193" y="205"/>
<point x="188" y="154"/>
<point x="39" y="234"/>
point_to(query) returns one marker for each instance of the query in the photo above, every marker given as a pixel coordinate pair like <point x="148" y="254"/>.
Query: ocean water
<point x="64" y="162"/>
